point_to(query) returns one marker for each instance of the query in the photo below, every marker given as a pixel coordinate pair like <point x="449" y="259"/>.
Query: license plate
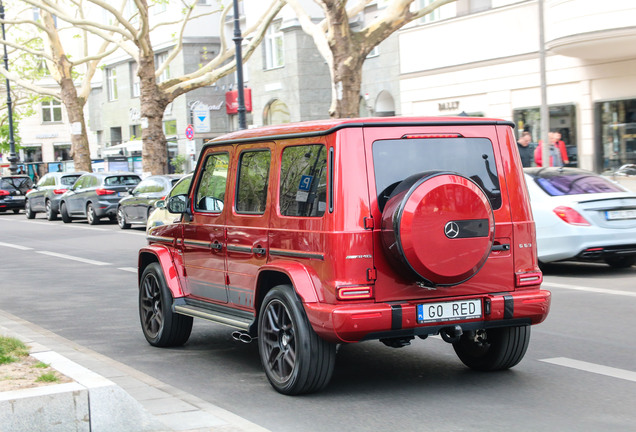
<point x="620" y="214"/>
<point x="15" y="198"/>
<point x="122" y="194"/>
<point x="449" y="311"/>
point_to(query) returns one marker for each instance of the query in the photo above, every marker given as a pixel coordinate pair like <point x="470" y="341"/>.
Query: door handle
<point x="258" y="250"/>
<point x="500" y="247"/>
<point x="217" y="245"/>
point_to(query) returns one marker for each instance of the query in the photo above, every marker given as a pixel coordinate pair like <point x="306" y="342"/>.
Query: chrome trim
<point x="233" y="248"/>
<point x="203" y="243"/>
<point x="160" y="239"/>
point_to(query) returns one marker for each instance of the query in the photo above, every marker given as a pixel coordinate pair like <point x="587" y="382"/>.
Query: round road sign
<point x="189" y="132"/>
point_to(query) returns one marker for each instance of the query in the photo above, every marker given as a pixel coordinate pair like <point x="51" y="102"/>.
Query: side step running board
<point x="213" y="313"/>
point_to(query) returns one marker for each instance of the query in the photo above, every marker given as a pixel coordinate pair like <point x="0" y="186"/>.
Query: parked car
<point x="582" y="216"/>
<point x="45" y="195"/>
<point x="160" y="215"/>
<point x="96" y="195"/>
<point x="13" y="188"/>
<point x="305" y="236"/>
<point x="136" y="208"/>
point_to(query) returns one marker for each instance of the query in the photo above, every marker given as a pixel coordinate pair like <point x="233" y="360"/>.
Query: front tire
<point x="30" y="214"/>
<point x="295" y="358"/>
<point x="493" y="349"/>
<point x="50" y="214"/>
<point x="64" y="213"/>
<point x="161" y="326"/>
<point x="91" y="217"/>
<point x="121" y="219"/>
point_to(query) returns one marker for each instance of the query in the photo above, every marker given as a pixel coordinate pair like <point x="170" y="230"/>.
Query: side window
<point x="81" y="183"/>
<point x="253" y="178"/>
<point x="303" y="181"/>
<point x="210" y="194"/>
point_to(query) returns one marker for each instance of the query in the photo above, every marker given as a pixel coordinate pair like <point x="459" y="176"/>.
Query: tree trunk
<point x="347" y="79"/>
<point x="79" y="139"/>
<point x="153" y="103"/>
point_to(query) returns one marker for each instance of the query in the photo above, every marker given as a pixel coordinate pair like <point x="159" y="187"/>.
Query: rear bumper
<point x="364" y="321"/>
<point x="12" y="204"/>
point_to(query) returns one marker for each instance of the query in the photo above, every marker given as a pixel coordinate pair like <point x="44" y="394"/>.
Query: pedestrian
<point x="558" y="152"/>
<point x="525" y="151"/>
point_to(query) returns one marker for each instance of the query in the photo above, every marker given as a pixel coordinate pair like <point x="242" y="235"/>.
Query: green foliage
<point x="40" y="365"/>
<point x="178" y="162"/>
<point x="48" y="377"/>
<point x="11" y="349"/>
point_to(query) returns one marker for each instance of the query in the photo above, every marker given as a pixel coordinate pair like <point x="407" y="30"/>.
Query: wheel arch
<point x="161" y="255"/>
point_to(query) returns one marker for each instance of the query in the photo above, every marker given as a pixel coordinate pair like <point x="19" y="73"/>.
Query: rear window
<point x="11" y="183"/>
<point x="121" y="180"/>
<point x="576" y="183"/>
<point x="69" y="180"/>
<point x="396" y="160"/>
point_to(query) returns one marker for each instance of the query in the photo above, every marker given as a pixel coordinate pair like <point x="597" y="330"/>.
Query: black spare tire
<point x="439" y="226"/>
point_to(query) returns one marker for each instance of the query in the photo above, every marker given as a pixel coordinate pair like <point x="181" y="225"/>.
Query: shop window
<point x="32" y="154"/>
<point x="616" y="134"/>
<point x="62" y="152"/>
<point x="303" y="184"/>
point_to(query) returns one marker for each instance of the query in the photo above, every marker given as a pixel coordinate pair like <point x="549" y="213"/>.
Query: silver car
<point x="45" y="195"/>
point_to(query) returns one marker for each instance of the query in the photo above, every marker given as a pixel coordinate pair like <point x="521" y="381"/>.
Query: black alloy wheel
<point x="295" y="358"/>
<point x="161" y="326"/>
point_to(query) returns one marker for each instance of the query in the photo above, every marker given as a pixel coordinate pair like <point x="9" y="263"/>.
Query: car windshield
<point x="14" y="183"/>
<point x="395" y="160"/>
<point x="69" y="180"/>
<point x="576" y="183"/>
<point x="122" y="180"/>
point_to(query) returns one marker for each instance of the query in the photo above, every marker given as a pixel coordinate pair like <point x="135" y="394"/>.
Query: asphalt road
<point x="579" y="373"/>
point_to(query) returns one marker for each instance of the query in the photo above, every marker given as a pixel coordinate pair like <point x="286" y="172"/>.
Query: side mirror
<point x="178" y="204"/>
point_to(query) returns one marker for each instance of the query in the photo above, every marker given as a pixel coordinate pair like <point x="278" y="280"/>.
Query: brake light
<point x="571" y="216"/>
<point x="427" y="136"/>
<point x="530" y="278"/>
<point x="354" y="292"/>
<point x="4" y="192"/>
<point x="61" y="191"/>
<point x="102" y="191"/>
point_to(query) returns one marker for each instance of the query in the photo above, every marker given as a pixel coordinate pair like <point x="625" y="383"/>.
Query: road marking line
<point x="14" y="246"/>
<point x="594" y="368"/>
<point x="590" y="289"/>
<point x="128" y="269"/>
<point x="69" y="257"/>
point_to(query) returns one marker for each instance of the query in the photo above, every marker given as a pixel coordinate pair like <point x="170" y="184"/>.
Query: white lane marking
<point x="73" y="258"/>
<point x="14" y="246"/>
<point x="589" y="289"/>
<point x="592" y="367"/>
<point x="128" y="269"/>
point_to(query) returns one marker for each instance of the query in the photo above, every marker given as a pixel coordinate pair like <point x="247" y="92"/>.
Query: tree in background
<point x="345" y="50"/>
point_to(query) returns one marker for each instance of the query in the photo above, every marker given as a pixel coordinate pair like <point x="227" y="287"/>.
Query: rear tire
<point x="30" y="214"/>
<point x="64" y="213"/>
<point x="621" y="262"/>
<point x="295" y="358"/>
<point x="161" y="326"/>
<point x="50" y="214"/>
<point x="493" y="349"/>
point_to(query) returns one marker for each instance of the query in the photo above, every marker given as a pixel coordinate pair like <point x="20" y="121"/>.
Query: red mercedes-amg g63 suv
<point x="305" y="236"/>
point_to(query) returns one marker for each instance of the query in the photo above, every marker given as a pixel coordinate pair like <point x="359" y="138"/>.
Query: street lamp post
<point x="13" y="158"/>
<point x="238" y="39"/>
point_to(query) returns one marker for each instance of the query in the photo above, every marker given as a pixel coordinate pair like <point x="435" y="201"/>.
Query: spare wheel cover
<point x="444" y="228"/>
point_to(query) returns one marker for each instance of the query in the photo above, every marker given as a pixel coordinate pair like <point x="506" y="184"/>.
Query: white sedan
<point x="582" y="216"/>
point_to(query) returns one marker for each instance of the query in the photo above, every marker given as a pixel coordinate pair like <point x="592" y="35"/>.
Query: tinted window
<point x="303" y="181"/>
<point x="576" y="183"/>
<point x="210" y="194"/>
<point x="20" y="183"/>
<point x="150" y="185"/>
<point x="253" y="176"/>
<point x="395" y="160"/>
<point x="182" y="186"/>
<point x="122" y="180"/>
<point x="69" y="180"/>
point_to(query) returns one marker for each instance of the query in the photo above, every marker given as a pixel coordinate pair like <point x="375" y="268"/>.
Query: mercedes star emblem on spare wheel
<point x="451" y="229"/>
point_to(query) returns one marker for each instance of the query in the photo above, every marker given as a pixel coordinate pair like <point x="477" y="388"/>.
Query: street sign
<point x="189" y="132"/>
<point x="201" y="118"/>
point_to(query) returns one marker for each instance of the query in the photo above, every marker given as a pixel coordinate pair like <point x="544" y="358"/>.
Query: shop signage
<point x="231" y="101"/>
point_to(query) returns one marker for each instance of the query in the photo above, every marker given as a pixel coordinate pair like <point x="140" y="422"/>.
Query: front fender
<point x="162" y="255"/>
<point x="299" y="275"/>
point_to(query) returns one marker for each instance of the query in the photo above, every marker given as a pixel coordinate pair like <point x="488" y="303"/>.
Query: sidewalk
<point x="117" y="397"/>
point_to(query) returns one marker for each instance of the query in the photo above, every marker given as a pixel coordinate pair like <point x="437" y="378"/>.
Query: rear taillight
<point x="61" y="191"/>
<point x="102" y="191"/>
<point x="354" y="292"/>
<point x="527" y="279"/>
<point x="4" y="192"/>
<point x="429" y="136"/>
<point x="571" y="216"/>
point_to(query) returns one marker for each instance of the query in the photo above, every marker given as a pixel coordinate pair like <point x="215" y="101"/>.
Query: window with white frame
<point x="433" y="16"/>
<point x="111" y="78"/>
<point x="135" y="89"/>
<point x="160" y="59"/>
<point x="274" y="47"/>
<point x="51" y="111"/>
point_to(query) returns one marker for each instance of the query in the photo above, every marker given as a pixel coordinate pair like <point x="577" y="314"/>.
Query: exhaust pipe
<point x="242" y="336"/>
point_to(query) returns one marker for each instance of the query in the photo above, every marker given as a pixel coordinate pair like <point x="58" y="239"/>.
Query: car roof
<point x="325" y="127"/>
<point x="110" y="174"/>
<point x="548" y="172"/>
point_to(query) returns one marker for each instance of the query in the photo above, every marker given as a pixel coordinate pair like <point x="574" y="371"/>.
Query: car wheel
<point x="64" y="213"/>
<point x="90" y="215"/>
<point x="493" y="349"/>
<point x="30" y="214"/>
<point x="121" y="219"/>
<point x="50" y="214"/>
<point x="161" y="326"/>
<point x="621" y="262"/>
<point x="295" y="358"/>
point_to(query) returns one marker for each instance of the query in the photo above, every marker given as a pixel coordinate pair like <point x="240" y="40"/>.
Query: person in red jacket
<point x="558" y="152"/>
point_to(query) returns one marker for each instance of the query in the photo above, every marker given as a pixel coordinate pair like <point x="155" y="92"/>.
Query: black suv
<point x="13" y="188"/>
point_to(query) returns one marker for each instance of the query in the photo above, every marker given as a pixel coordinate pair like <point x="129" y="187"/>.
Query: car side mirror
<point x="178" y="204"/>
